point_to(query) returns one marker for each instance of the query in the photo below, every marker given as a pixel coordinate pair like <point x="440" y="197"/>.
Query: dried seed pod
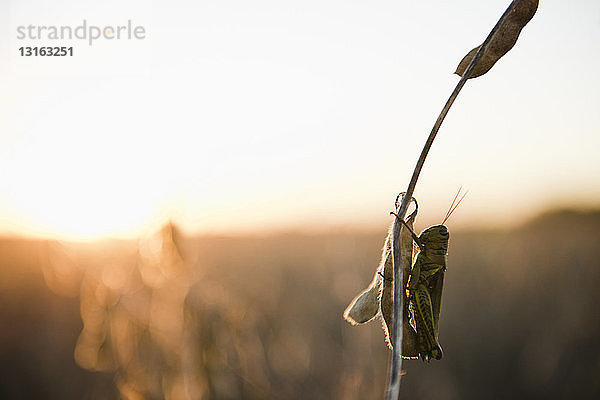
<point x="378" y="297"/>
<point x="503" y="39"/>
<point x="387" y="292"/>
<point x="409" y="336"/>
<point x="365" y="306"/>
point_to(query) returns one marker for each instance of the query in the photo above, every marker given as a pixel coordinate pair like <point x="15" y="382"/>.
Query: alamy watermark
<point x="90" y="33"/>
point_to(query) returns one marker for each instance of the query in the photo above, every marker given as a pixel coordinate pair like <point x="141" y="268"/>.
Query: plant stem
<point x="393" y="392"/>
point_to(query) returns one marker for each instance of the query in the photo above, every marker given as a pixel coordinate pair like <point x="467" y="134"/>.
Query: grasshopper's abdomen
<point x="424" y="320"/>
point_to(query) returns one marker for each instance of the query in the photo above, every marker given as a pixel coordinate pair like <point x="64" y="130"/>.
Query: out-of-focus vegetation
<point x="260" y="317"/>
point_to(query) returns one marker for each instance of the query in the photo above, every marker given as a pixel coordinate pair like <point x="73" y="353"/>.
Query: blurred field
<point x="260" y="317"/>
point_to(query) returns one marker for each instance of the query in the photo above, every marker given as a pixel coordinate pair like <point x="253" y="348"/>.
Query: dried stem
<point x="393" y="392"/>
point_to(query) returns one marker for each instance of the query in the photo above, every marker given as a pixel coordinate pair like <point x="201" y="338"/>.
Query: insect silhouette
<point x="425" y="286"/>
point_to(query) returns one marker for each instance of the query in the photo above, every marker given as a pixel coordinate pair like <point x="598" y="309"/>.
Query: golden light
<point x="268" y="125"/>
<point x="63" y="188"/>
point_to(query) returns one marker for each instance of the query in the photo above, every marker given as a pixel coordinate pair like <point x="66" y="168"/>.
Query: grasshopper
<point x="424" y="290"/>
<point x="425" y="285"/>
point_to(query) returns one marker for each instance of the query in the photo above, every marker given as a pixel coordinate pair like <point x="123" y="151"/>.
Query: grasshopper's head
<point x="435" y="240"/>
<point x="436" y="233"/>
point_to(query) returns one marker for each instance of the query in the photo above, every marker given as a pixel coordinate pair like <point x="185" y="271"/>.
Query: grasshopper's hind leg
<point x="423" y="315"/>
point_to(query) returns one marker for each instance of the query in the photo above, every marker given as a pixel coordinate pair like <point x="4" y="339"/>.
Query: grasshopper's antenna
<point x="453" y="206"/>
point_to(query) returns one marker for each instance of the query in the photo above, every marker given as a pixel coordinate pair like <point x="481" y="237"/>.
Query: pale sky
<point x="244" y="116"/>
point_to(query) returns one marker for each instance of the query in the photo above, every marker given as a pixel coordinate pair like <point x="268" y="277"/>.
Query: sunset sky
<point x="245" y="116"/>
